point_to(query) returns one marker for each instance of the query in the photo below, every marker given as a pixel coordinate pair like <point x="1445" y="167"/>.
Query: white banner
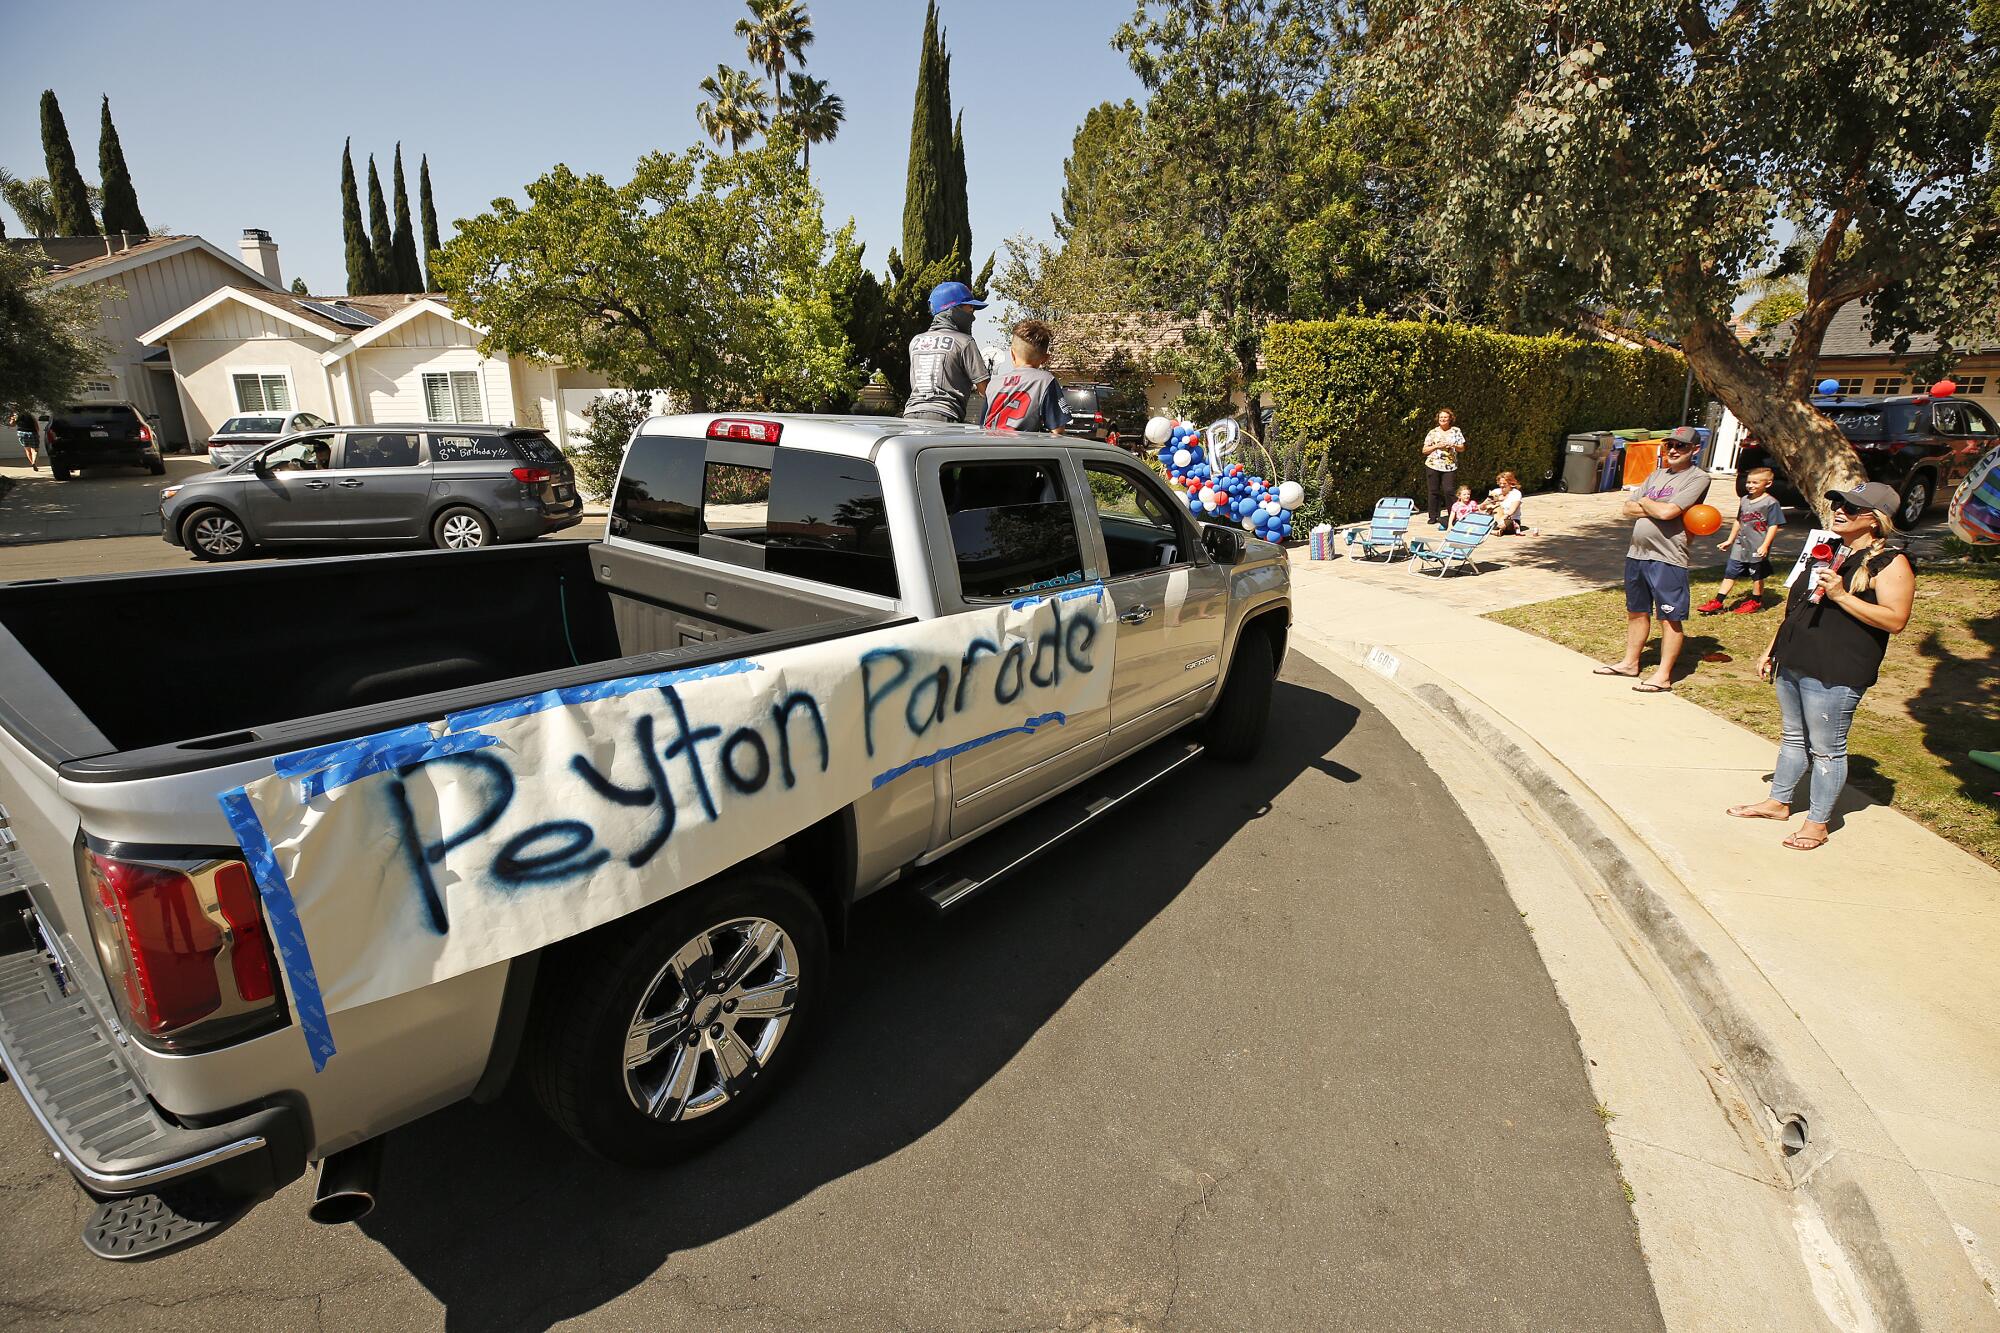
<point x="396" y="860"/>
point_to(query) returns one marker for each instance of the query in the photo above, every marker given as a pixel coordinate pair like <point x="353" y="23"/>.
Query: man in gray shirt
<point x="947" y="369"/>
<point x="1656" y="562"/>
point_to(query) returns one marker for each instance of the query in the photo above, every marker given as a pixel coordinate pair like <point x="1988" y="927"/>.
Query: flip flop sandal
<point x="1751" y="812"/>
<point x="1800" y="842"/>
<point x="1614" y="671"/>
<point x="1648" y="687"/>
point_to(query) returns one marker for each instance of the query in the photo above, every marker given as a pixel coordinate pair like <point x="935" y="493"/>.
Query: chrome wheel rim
<point x="1915" y="504"/>
<point x="710" y="1020"/>
<point x="462" y="532"/>
<point x="217" y="535"/>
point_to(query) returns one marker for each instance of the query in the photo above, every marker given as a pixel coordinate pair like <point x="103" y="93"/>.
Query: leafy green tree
<point x="778" y="31"/>
<point x="1228" y="81"/>
<point x="428" y="211"/>
<point x="712" y="278"/>
<point x="1642" y="154"/>
<point x="609" y="421"/>
<point x="121" y="201"/>
<point x="69" y="196"/>
<point x="360" y="258"/>
<point x="381" y="239"/>
<point x="32" y="201"/>
<point x="1109" y="216"/>
<point x="813" y="114"/>
<point x="299" y="287"/>
<point x="409" y="272"/>
<point x="734" y="107"/>
<point x="48" y="341"/>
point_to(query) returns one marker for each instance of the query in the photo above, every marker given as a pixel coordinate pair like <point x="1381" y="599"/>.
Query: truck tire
<point x="644" y="1044"/>
<point x="1234" y="728"/>
<point x="461" y="529"/>
<point x="58" y="470"/>
<point x="214" y="534"/>
<point x="157" y="466"/>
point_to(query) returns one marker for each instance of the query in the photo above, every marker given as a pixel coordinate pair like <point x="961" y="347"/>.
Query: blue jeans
<point x="1816" y="717"/>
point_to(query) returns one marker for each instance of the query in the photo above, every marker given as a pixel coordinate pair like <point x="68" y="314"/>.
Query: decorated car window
<point x="470" y="449"/>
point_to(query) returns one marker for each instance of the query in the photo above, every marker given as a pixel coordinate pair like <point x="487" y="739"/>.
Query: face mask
<point x="961" y="318"/>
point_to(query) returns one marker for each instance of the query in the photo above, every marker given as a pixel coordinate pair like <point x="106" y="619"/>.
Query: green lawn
<point x="1938" y="697"/>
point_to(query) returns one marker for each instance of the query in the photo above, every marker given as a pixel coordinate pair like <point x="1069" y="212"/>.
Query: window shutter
<point x="465" y="395"/>
<point x="249" y="393"/>
<point x="277" y="394"/>
<point x="437" y="398"/>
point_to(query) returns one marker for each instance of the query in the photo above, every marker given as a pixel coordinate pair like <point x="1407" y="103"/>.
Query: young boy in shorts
<point x="1758" y="518"/>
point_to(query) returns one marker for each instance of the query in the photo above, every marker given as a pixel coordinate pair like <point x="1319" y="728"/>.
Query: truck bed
<point x="128" y="675"/>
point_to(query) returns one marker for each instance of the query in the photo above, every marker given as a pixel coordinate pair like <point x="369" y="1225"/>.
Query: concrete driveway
<point x="1272" y="1050"/>
<point x="97" y="502"/>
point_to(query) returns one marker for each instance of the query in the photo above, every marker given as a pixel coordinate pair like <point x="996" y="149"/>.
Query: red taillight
<point x="146" y="434"/>
<point x="744" y="428"/>
<point x="50" y="435"/>
<point x="164" y="933"/>
<point x="532" y="474"/>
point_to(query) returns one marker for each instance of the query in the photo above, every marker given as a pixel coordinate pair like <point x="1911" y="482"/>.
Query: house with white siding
<point x="142" y="280"/>
<point x="357" y="360"/>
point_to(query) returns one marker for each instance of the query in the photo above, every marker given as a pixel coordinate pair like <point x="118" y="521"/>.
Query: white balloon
<point x="1291" y="495"/>
<point x="1182" y="458"/>
<point x="1249" y="525"/>
<point x="1207" y="495"/>
<point x="1273" y="508"/>
<point x="1157" y="431"/>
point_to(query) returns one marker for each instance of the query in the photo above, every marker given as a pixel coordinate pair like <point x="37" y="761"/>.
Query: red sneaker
<point x="1710" y="607"/>
<point x="1749" y="606"/>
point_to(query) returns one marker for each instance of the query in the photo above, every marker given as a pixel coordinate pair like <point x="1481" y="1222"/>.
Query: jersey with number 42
<point x="1026" y="398"/>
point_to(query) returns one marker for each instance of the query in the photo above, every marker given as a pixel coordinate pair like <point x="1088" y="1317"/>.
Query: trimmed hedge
<point x="1354" y="397"/>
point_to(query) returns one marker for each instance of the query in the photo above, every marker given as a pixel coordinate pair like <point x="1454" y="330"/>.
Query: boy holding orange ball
<point x="1758" y="518"/>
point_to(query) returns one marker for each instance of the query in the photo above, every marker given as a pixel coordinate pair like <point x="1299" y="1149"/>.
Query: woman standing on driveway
<point x="1827" y="653"/>
<point x="24" y="430"/>
<point x="1441" y="448"/>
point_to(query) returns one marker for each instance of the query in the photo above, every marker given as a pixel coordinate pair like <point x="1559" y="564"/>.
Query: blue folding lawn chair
<point x="1455" y="548"/>
<point x="1385" y="530"/>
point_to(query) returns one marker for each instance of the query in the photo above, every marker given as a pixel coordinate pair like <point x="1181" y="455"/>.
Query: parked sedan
<point x="455" y="487"/>
<point x="83" y="435"/>
<point x="241" y="436"/>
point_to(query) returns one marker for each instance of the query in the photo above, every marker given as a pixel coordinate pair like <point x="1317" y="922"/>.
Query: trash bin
<point x="1641" y="457"/>
<point x="1583" y="460"/>
<point x="1612" y="475"/>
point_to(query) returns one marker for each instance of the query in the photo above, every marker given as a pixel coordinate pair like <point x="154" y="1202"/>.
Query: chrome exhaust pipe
<point x="345" y="1188"/>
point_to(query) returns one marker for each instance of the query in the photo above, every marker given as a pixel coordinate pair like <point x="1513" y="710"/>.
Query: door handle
<point x="316" y="485"/>
<point x="1138" y="615"/>
<point x="347" y="485"/>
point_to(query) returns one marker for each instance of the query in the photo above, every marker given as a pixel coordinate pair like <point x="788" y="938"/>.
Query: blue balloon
<point x="1828" y="386"/>
<point x="1194" y="505"/>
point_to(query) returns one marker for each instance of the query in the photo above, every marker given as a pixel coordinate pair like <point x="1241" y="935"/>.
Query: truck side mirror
<point x="1226" y="545"/>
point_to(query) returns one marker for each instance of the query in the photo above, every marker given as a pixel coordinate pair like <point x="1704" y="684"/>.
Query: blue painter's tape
<point x="380" y="761"/>
<point x="939" y="756"/>
<point x="1090" y="590"/>
<point x="594" y="690"/>
<point x="286" y="932"/>
<point x="346" y="752"/>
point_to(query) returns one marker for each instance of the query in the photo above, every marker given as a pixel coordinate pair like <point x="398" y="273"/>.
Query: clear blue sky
<point x="233" y="116"/>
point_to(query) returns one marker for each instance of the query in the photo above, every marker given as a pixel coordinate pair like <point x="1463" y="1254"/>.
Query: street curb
<point x="1914" y="1270"/>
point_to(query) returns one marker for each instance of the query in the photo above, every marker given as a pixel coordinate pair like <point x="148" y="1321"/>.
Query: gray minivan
<point x="456" y="487"/>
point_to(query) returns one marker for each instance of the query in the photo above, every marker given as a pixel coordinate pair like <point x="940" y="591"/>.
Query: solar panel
<point x="341" y="314"/>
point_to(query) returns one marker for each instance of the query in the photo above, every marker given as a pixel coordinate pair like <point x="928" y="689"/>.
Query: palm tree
<point x="814" y="113"/>
<point x="780" y="31"/>
<point x="35" y="203"/>
<point x="733" y="108"/>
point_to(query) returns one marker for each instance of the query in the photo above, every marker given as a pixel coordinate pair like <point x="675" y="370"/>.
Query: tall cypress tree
<point x="955" y="198"/>
<point x="428" y="211"/>
<point x="409" y="273"/>
<point x="381" y="241"/>
<point x="360" y="259"/>
<point x="121" y="201"/>
<point x="71" y="196"/>
<point x="927" y="228"/>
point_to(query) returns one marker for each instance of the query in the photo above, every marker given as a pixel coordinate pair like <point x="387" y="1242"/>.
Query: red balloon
<point x="1702" y="520"/>
<point x="1944" y="389"/>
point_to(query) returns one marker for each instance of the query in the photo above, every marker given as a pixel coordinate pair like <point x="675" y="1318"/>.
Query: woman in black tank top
<point x="1827" y="653"/>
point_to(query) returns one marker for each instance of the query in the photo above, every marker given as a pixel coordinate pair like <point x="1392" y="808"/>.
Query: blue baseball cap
<point x="948" y="294"/>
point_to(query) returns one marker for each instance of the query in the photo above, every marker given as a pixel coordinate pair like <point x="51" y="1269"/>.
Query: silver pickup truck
<point x="154" y="1028"/>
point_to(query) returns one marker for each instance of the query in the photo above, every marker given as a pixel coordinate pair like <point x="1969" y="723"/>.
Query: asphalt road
<point x="1274" y="1051"/>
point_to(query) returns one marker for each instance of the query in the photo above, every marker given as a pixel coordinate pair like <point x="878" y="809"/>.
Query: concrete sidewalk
<point x="1855" y="992"/>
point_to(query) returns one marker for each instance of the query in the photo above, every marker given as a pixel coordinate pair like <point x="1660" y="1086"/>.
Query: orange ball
<point x="1701" y="520"/>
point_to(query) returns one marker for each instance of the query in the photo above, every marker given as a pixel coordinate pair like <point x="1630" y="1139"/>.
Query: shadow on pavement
<point x="510" y="1225"/>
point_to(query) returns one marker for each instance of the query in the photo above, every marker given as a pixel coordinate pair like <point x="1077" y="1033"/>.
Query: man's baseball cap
<point x="1684" y="437"/>
<point x="948" y="294"/>
<point x="1868" y="495"/>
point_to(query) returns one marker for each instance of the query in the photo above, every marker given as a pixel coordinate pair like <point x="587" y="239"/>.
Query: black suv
<point x="83" y="435"/>
<point x="1099" y="412"/>
<point x="1922" y="446"/>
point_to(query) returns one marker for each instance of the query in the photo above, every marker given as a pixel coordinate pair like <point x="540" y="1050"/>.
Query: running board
<point x="949" y="882"/>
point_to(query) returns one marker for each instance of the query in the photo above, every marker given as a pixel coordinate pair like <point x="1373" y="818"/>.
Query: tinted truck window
<point x="1012" y="531"/>
<point x="537" y="448"/>
<point x="812" y="516"/>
